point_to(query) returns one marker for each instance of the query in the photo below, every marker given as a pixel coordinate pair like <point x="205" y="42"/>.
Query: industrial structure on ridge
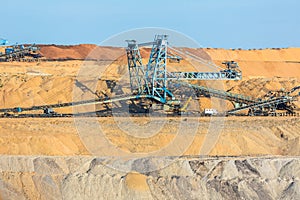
<point x="20" y="53"/>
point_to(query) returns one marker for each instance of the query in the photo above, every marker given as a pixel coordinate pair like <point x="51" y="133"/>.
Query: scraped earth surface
<point x="250" y="158"/>
<point x="185" y="178"/>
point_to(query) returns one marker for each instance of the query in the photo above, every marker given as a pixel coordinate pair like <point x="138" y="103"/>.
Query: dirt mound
<point x="265" y="62"/>
<point x="238" y="136"/>
<point x="80" y="52"/>
<point x="136" y="181"/>
<point x="258" y="87"/>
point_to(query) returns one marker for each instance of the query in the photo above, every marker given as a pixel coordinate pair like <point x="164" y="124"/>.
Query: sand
<point x="28" y="84"/>
<point x="79" y="52"/>
<point x="238" y="136"/>
<point x="79" y="177"/>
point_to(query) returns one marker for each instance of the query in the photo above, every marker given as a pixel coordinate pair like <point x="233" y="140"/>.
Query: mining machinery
<point x="152" y="84"/>
<point x="20" y="53"/>
<point x="153" y="80"/>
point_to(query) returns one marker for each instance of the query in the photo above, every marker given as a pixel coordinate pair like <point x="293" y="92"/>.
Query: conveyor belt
<point x="77" y="103"/>
<point x="238" y="98"/>
<point x="268" y="102"/>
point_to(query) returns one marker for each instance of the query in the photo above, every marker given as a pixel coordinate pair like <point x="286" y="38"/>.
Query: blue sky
<point x="212" y="23"/>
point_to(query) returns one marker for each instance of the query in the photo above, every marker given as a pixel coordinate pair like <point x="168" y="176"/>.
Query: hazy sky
<point x="212" y="23"/>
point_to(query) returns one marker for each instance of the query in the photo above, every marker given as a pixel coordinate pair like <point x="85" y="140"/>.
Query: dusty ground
<point x="238" y="136"/>
<point x="27" y="173"/>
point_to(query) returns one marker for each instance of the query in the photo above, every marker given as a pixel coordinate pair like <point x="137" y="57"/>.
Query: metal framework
<point x="238" y="100"/>
<point x="231" y="72"/>
<point x="153" y="78"/>
<point x="157" y="69"/>
<point x="138" y="81"/>
<point x="223" y="75"/>
<point x="262" y="106"/>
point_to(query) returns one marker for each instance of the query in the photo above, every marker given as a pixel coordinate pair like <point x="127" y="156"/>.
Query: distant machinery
<point x="20" y="53"/>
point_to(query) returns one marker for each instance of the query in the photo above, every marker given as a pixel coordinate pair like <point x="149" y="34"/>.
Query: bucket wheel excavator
<point x="152" y="85"/>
